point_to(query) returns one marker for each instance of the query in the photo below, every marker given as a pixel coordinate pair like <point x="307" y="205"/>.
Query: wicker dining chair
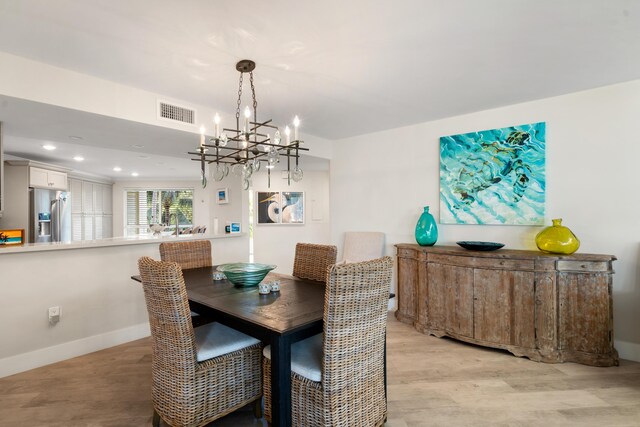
<point x="189" y="254"/>
<point x="312" y="261"/>
<point x="201" y="374"/>
<point x="338" y="377"/>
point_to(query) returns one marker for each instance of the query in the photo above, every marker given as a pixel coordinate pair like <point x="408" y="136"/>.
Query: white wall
<point x="233" y="211"/>
<point x="592" y="162"/>
<point x="201" y="200"/>
<point x="101" y="305"/>
<point x="276" y="244"/>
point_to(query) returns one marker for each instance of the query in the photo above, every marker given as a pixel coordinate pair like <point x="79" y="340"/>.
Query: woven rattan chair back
<point x="312" y="261"/>
<point x="351" y="392"/>
<point x="355" y="321"/>
<point x="173" y="340"/>
<point x="189" y="254"/>
<point x="186" y="392"/>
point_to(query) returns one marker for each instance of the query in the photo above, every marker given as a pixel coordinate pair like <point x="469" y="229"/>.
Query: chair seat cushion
<point x="306" y="357"/>
<point x="215" y="339"/>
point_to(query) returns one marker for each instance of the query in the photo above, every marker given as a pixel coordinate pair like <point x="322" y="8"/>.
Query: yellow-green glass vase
<point x="557" y="239"/>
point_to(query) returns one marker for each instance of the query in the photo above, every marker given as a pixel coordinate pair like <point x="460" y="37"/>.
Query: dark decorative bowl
<point x="245" y="274"/>
<point x="480" y="246"/>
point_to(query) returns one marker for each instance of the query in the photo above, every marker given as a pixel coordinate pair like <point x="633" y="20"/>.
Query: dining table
<point x="278" y="319"/>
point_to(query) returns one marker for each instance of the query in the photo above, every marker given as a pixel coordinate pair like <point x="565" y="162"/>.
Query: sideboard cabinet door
<point x="450" y="304"/>
<point x="504" y="307"/>
<point x="407" y="286"/>
<point x="585" y="318"/>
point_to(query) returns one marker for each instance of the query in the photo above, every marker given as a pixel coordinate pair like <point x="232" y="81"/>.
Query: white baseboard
<point x="45" y="356"/>
<point x="627" y="350"/>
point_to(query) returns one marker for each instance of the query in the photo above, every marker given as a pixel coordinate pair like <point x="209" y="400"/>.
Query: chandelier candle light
<point x="243" y="149"/>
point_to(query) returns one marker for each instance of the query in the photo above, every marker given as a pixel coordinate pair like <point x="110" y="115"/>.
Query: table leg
<point x="281" y="382"/>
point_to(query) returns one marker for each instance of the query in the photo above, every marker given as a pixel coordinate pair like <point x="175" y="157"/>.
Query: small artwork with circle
<point x="280" y="207"/>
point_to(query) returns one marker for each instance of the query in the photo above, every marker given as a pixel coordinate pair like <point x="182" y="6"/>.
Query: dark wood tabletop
<point x="279" y="319"/>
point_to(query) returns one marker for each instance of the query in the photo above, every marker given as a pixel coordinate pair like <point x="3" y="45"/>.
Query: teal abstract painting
<point x="494" y="176"/>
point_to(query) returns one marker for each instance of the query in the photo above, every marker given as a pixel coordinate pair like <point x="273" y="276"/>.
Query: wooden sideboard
<point x="549" y="308"/>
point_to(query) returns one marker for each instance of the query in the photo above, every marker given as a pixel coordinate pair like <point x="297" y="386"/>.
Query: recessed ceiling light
<point x="134" y="174"/>
<point x="117" y="169"/>
<point x="49" y="147"/>
<point x="76" y="138"/>
<point x="137" y="146"/>
<point x="78" y="158"/>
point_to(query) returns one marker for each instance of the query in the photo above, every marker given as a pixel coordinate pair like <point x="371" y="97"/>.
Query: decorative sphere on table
<point x="426" y="230"/>
<point x="557" y="239"/>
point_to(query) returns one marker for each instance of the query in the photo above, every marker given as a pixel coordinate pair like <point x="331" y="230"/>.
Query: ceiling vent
<point x="176" y="113"/>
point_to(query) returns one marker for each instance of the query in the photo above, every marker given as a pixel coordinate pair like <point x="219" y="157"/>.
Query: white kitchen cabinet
<point x="98" y="202"/>
<point x="98" y="229"/>
<point x="76" y="227"/>
<point x="75" y="187"/>
<point x="107" y="200"/>
<point x="88" y="227"/>
<point x="88" y="205"/>
<point x="91" y="208"/>
<point x="107" y="226"/>
<point x="43" y="178"/>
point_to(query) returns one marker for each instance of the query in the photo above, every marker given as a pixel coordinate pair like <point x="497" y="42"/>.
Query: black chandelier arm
<point x="251" y="144"/>
<point x="233" y="155"/>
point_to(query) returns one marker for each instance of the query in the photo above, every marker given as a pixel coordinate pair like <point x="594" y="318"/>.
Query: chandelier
<point x="243" y="149"/>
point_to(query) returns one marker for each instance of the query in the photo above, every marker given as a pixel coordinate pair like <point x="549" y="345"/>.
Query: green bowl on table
<point x="245" y="274"/>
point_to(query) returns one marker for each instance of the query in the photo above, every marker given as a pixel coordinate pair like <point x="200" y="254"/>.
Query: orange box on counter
<point x="11" y="237"/>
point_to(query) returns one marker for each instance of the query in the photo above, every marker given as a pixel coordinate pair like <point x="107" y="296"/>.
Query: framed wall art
<point x="11" y="237"/>
<point x="494" y="176"/>
<point x="279" y="207"/>
<point x="222" y="196"/>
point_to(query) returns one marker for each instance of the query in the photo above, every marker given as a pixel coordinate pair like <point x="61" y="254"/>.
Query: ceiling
<point x="345" y="67"/>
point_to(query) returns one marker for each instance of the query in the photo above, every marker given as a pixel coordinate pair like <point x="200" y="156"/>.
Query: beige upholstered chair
<point x="201" y="374"/>
<point x="189" y="254"/>
<point x="362" y="246"/>
<point x="337" y="377"/>
<point x="311" y="261"/>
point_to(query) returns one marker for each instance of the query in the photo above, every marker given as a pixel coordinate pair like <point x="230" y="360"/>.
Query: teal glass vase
<point x="426" y="230"/>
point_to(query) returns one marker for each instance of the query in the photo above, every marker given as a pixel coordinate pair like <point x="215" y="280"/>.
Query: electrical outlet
<point x="55" y="313"/>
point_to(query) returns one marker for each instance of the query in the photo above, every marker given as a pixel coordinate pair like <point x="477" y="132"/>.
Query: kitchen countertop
<point x="114" y="241"/>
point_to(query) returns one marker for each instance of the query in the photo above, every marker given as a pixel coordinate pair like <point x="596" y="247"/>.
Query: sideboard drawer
<point x="408" y="253"/>
<point x="470" y="261"/>
<point x="586" y="266"/>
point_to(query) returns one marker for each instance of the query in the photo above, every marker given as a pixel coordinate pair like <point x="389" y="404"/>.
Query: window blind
<point x="157" y="206"/>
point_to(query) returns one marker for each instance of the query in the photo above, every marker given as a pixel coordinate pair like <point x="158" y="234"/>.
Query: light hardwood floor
<point x="432" y="382"/>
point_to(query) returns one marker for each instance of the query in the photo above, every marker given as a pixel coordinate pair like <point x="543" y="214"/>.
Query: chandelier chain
<point x="253" y="94"/>
<point x="239" y="99"/>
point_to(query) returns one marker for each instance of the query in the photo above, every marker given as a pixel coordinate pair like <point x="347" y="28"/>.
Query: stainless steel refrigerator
<point x="50" y="216"/>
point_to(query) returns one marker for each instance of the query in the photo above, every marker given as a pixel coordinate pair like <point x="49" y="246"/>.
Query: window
<point x="155" y="206"/>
